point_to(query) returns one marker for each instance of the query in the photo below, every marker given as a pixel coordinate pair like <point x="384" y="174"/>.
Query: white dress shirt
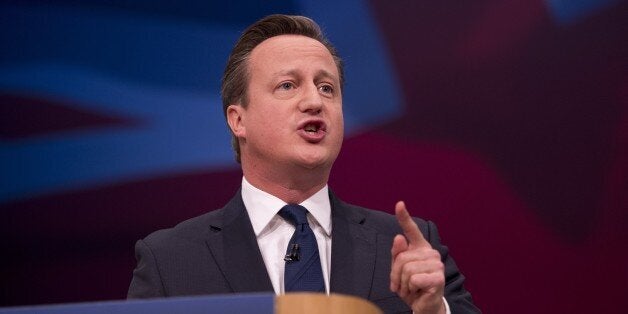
<point x="273" y="233"/>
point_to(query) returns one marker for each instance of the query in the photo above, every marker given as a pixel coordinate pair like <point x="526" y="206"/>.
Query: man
<point x="282" y="98"/>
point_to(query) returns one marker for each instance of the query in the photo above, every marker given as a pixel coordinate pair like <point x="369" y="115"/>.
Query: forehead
<point x="286" y="51"/>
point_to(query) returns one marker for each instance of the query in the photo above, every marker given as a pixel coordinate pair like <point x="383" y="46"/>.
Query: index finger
<point x="409" y="227"/>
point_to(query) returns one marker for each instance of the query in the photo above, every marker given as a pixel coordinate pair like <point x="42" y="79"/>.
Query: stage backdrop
<point x="505" y="122"/>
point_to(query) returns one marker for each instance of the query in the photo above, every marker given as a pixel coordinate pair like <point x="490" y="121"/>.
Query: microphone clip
<point x="293" y="256"/>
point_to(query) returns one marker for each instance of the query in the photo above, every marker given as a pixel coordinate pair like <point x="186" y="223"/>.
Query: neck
<point x="292" y="187"/>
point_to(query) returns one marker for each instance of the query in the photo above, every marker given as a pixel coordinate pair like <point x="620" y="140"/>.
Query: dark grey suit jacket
<point x="217" y="253"/>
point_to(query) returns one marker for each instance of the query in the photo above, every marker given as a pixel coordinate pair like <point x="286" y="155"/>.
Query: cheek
<point x="270" y="125"/>
<point x="339" y="121"/>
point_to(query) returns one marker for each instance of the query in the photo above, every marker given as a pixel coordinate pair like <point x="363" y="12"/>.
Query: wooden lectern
<point x="317" y="303"/>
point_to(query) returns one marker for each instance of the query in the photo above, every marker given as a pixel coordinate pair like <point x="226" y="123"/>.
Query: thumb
<point x="399" y="245"/>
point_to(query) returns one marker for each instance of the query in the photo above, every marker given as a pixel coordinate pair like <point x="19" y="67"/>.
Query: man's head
<point x="235" y="81"/>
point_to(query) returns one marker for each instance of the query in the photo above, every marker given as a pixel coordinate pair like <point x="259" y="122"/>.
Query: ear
<point x="235" y="115"/>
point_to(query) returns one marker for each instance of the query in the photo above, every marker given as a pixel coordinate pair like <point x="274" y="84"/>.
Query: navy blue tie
<point x="303" y="263"/>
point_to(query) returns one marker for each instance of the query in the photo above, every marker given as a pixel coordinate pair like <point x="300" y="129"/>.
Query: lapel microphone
<point x="293" y="256"/>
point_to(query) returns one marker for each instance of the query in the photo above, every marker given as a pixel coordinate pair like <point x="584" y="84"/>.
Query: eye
<point x="327" y="89"/>
<point x="286" y="86"/>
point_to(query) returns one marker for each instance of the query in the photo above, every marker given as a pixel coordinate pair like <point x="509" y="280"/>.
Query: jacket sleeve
<point x="146" y="282"/>
<point x="458" y="298"/>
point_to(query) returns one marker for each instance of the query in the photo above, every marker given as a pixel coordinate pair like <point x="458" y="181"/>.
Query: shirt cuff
<point x="446" y="306"/>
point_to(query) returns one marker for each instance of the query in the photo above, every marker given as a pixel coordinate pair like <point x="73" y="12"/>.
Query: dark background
<point x="505" y="122"/>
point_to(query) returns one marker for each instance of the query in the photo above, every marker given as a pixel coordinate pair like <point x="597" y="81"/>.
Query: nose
<point x="312" y="101"/>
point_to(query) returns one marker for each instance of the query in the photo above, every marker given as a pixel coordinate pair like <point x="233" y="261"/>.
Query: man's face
<point x="294" y="112"/>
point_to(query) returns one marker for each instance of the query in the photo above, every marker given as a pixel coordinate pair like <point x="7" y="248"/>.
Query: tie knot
<point x="295" y="214"/>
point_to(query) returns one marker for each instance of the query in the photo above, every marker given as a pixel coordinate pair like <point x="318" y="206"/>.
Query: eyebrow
<point x="286" y="73"/>
<point x="327" y="74"/>
<point x="319" y="74"/>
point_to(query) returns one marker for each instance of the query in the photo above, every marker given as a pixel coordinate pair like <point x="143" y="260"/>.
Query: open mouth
<point x="313" y="130"/>
<point x="312" y="127"/>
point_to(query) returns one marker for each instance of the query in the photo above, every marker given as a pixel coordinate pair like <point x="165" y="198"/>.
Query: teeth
<point x="311" y="128"/>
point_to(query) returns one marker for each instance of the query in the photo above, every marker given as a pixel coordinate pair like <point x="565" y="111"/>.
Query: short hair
<point x="236" y="76"/>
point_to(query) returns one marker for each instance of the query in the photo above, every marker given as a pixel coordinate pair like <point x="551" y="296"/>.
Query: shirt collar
<point x="262" y="207"/>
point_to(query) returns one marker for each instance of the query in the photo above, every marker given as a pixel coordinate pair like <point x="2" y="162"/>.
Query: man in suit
<point x="282" y="98"/>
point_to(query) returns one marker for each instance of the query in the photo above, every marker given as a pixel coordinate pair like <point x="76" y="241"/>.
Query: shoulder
<point x="175" y="261"/>
<point x="197" y="229"/>
<point x="379" y="220"/>
<point x="192" y="231"/>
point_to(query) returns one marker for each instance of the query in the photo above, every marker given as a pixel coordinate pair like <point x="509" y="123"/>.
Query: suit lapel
<point x="353" y="251"/>
<point x="234" y="247"/>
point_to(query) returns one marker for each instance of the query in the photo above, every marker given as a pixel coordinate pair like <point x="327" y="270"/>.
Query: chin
<point x="316" y="157"/>
<point x="313" y="161"/>
<point x="312" y="164"/>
